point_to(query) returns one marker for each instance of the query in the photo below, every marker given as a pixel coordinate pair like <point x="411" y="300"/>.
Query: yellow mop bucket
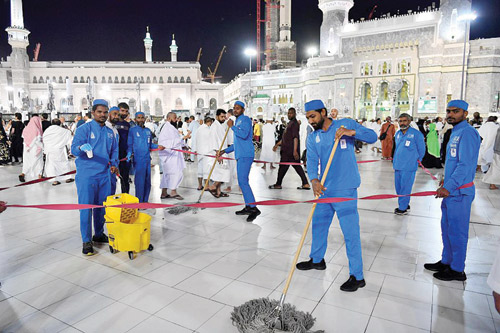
<point x="129" y="231"/>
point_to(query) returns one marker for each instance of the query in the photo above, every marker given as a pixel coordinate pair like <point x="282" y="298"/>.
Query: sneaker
<point x="254" y="212"/>
<point x="88" y="250"/>
<point x="100" y="239"/>
<point x="352" y="284"/>
<point x="244" y="211"/>
<point x="398" y="211"/>
<point x="450" y="275"/>
<point x="307" y="265"/>
<point x="408" y="209"/>
<point x="436" y="267"/>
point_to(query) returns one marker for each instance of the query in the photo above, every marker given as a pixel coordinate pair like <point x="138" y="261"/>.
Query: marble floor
<point x="205" y="264"/>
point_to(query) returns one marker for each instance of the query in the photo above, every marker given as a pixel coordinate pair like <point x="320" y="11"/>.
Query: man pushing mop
<point x="343" y="181"/>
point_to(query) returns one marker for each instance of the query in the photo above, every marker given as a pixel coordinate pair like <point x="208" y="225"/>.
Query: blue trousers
<point x="347" y="213"/>
<point x="142" y="179"/>
<point x="92" y="191"/>
<point x="404" y="183"/>
<point x="455" y="230"/>
<point x="243" y="165"/>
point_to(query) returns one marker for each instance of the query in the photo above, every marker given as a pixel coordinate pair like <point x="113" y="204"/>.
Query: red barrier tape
<point x="427" y="171"/>
<point x="36" y="181"/>
<point x="228" y="204"/>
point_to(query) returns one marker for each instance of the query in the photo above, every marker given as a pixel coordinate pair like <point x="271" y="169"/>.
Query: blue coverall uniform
<point x="93" y="174"/>
<point x="140" y="142"/>
<point x="342" y="181"/>
<point x="410" y="148"/>
<point x="460" y="169"/>
<point x="244" y="153"/>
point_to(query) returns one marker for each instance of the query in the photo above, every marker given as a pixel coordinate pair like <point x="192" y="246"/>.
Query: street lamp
<point x="467" y="18"/>
<point x="250" y="53"/>
<point x="312" y="51"/>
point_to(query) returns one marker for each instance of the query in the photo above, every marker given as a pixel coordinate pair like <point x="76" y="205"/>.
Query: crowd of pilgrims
<point x="24" y="140"/>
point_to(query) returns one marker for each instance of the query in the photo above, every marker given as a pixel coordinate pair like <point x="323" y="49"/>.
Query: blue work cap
<point x="100" y="102"/>
<point x="314" y="105"/>
<point x="240" y="103"/>
<point x="139" y="113"/>
<point x="114" y="108"/>
<point x="458" y="103"/>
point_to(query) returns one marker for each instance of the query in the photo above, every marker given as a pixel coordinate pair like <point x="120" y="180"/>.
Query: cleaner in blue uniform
<point x="96" y="151"/>
<point x="460" y="169"/>
<point x="140" y="142"/>
<point x="410" y="148"/>
<point x="244" y="152"/>
<point x="342" y="181"/>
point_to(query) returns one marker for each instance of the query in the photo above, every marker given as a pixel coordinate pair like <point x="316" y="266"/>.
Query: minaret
<point x="19" y="61"/>
<point x="173" y="50"/>
<point x="148" y="46"/>
<point x="452" y="30"/>
<point x="335" y="16"/>
<point x="287" y="50"/>
<point x="286" y="21"/>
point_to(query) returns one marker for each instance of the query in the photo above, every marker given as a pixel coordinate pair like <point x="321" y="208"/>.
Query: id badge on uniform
<point x="343" y="144"/>
<point x="453" y="152"/>
<point x="407" y="143"/>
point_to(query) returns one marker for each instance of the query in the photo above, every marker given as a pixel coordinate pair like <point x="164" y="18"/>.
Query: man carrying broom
<point x="342" y="181"/>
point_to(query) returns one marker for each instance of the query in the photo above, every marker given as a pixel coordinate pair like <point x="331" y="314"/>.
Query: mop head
<point x="258" y="316"/>
<point x="181" y="209"/>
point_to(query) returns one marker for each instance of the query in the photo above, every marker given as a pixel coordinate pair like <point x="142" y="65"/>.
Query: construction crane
<point x="37" y="51"/>
<point x="372" y="12"/>
<point x="199" y="55"/>
<point x="211" y="74"/>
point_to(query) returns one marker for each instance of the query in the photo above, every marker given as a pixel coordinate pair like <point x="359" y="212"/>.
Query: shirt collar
<point x="461" y="124"/>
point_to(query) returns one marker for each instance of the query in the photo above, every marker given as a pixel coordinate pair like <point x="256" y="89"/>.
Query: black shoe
<point x="254" y="212"/>
<point x="100" y="239"/>
<point x="398" y="211"/>
<point x="88" y="250"/>
<point x="307" y="265"/>
<point x="352" y="284"/>
<point x="22" y="179"/>
<point x="437" y="267"/>
<point x="244" y="211"/>
<point x="450" y="275"/>
<point x="408" y="209"/>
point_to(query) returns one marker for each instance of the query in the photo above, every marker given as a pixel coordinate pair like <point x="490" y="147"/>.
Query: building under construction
<point x="280" y="51"/>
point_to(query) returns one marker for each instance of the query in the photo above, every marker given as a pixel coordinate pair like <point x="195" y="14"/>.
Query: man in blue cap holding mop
<point x="140" y="142"/>
<point x="244" y="153"/>
<point x="460" y="169"/>
<point x="342" y="181"/>
<point x="96" y="151"/>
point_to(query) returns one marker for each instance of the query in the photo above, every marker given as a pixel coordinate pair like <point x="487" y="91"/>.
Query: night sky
<point x="114" y="30"/>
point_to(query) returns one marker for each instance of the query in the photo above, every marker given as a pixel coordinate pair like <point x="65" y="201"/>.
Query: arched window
<point x="35" y="80"/>
<point x="178" y="104"/>
<point x="54" y="80"/>
<point x="110" y="79"/>
<point x="60" y="79"/>
<point x="75" y="79"/>
<point x="169" y="80"/>
<point x="155" y="80"/>
<point x="103" y="79"/>
<point x="161" y="79"/>
<point x="84" y="103"/>
<point x="129" y="79"/>
<point x="158" y="108"/>
<point x="94" y="79"/>
<point x="213" y="104"/>
<point x="148" y="80"/>
<point x="142" y="79"/>
<point x="135" y="79"/>
<point x="132" y="104"/>
<point x="182" y="79"/>
<point x="176" y="79"/>
<point x="122" y="80"/>
<point x="116" y="79"/>
<point x="200" y="103"/>
<point x="64" y="104"/>
<point x="188" y="80"/>
<point x="47" y="79"/>
<point x="82" y="79"/>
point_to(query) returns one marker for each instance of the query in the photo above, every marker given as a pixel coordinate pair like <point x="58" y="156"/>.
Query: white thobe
<point x="268" y="141"/>
<point x="221" y="171"/>
<point x="33" y="158"/>
<point x="202" y="137"/>
<point x="488" y="132"/>
<point x="172" y="161"/>
<point x="377" y="127"/>
<point x="55" y="141"/>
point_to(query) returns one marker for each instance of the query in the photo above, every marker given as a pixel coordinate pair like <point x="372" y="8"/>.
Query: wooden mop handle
<point x="213" y="166"/>
<point x="309" y="220"/>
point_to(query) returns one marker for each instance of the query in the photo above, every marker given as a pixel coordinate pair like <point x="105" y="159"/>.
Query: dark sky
<point x="114" y="29"/>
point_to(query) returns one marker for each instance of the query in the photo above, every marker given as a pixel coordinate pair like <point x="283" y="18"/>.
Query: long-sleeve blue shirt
<point x="104" y="150"/>
<point x="461" y="159"/>
<point x="343" y="172"/>
<point x="243" y="145"/>
<point x="410" y="148"/>
<point x="140" y="142"/>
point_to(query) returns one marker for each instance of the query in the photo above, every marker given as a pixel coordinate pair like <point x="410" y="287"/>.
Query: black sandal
<point x="275" y="187"/>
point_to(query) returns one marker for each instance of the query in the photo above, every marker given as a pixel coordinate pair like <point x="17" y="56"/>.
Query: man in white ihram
<point x="221" y="173"/>
<point x="56" y="142"/>
<point x="172" y="161"/>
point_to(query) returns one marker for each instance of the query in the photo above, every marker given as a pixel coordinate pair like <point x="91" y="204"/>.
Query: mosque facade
<point x="154" y="87"/>
<point x="409" y="63"/>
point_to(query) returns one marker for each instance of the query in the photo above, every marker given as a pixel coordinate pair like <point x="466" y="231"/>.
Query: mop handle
<point x="308" y="224"/>
<point x="213" y="165"/>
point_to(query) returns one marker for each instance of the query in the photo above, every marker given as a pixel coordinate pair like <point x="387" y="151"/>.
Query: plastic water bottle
<point x="90" y="154"/>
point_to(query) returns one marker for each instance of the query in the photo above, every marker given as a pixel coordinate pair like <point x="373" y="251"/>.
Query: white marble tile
<point x="48" y="293"/>
<point x="152" y="297"/>
<point x="377" y="325"/>
<point x="403" y="311"/>
<point x="448" y="320"/>
<point x="461" y="300"/>
<point x="411" y="289"/>
<point x="36" y="322"/>
<point x="204" y="284"/>
<point x="237" y="293"/>
<point x="120" y="285"/>
<point x="170" y="274"/>
<point x="12" y="310"/>
<point x="157" y="325"/>
<point x="333" y="319"/>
